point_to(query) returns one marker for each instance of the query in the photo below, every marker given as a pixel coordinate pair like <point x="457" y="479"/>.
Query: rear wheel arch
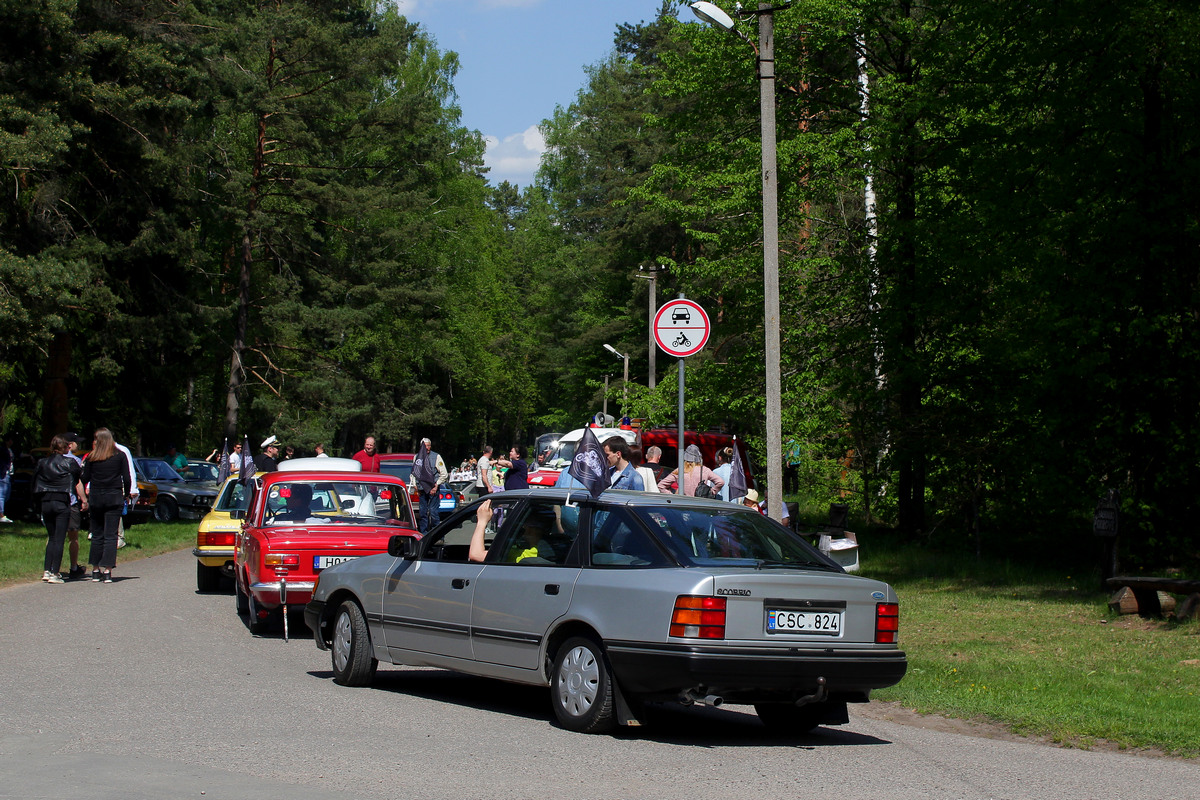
<point x="559" y="635"/>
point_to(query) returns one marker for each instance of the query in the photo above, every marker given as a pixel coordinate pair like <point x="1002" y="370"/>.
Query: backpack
<point x="705" y="489"/>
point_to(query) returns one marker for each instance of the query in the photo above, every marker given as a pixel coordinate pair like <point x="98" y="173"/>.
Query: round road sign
<point x="681" y="328"/>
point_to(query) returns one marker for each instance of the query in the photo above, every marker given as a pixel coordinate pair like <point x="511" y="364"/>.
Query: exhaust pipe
<point x="689" y="697"/>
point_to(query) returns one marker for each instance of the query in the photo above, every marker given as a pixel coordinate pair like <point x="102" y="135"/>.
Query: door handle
<point x="551" y="588"/>
<point x="460" y="583"/>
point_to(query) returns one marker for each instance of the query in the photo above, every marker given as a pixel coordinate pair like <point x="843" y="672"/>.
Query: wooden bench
<point x="1145" y="591"/>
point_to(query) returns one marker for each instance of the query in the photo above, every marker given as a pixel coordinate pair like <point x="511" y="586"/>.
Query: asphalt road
<point x="145" y="689"/>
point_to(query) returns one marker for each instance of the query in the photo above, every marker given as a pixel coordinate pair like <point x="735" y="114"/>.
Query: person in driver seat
<point x="531" y="544"/>
<point x="297" y="509"/>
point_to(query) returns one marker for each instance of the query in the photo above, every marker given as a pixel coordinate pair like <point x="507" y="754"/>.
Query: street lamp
<point x="713" y="15"/>
<point x="625" y="379"/>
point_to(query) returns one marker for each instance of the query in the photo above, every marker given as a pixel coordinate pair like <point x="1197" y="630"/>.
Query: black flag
<point x="425" y="468"/>
<point x="246" y="469"/>
<point x="589" y="466"/>
<point x="737" y="475"/>
<point x="223" y="470"/>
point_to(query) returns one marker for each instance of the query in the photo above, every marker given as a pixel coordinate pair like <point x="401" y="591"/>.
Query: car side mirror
<point x="403" y="546"/>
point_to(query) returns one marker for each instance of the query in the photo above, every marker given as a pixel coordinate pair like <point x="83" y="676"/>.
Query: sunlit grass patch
<point x="1039" y="650"/>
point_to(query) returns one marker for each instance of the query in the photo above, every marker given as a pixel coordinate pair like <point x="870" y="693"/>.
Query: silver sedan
<point x="614" y="603"/>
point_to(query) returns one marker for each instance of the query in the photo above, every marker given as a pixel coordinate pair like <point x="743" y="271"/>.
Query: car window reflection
<point x="619" y="541"/>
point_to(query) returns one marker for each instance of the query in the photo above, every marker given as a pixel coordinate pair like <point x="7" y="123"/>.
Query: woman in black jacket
<point x="56" y="476"/>
<point x="106" y="473"/>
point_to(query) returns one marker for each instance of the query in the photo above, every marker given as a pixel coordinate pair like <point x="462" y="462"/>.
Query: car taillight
<point x="281" y="561"/>
<point x="215" y="539"/>
<point x="887" y="622"/>
<point x="697" y="617"/>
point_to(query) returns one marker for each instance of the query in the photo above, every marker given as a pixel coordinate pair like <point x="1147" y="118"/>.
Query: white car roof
<point x="319" y="465"/>
<point x="601" y="434"/>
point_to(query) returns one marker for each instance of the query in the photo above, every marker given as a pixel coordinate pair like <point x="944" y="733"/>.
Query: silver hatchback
<point x="631" y="599"/>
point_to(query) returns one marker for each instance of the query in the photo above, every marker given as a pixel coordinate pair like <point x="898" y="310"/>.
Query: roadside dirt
<point x="985" y="729"/>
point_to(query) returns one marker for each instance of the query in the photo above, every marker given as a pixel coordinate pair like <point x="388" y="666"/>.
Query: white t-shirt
<point x="483" y="465"/>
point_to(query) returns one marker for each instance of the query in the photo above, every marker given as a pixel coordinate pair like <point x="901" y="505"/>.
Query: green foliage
<point x="1018" y="334"/>
<point x="267" y="217"/>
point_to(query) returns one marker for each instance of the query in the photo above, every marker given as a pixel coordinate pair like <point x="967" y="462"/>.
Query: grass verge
<point x="23" y="547"/>
<point x="1036" y="648"/>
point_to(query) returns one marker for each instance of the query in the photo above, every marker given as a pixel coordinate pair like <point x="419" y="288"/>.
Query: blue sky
<point x="518" y="60"/>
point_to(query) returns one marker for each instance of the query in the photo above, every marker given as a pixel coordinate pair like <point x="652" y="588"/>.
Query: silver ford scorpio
<point x="614" y="603"/>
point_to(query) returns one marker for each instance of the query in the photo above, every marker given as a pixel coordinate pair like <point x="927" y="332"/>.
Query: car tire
<point x="208" y="579"/>
<point x="581" y="687"/>
<point x="258" y="624"/>
<point x="166" y="509"/>
<point x="350" y="651"/>
<point x="790" y="719"/>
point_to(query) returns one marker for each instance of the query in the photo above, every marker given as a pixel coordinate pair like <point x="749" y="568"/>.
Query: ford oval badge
<point x="877" y="595"/>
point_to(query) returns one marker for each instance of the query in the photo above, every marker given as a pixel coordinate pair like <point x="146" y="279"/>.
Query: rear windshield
<point x="401" y="469"/>
<point x="716" y="536"/>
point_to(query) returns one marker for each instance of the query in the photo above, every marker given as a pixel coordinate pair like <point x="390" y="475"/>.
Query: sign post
<point x="681" y="329"/>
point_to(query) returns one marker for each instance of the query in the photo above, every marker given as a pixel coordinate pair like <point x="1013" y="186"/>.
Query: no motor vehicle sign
<point x="681" y="328"/>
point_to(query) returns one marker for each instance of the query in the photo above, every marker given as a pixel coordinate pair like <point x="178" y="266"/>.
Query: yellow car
<point x="215" y="538"/>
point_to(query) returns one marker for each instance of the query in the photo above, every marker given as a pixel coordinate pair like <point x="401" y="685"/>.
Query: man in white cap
<point x="266" y="461"/>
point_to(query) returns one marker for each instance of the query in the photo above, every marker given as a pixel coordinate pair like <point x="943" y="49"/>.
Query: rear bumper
<point x="269" y="594"/>
<point x="213" y="552"/>
<point x="658" y="668"/>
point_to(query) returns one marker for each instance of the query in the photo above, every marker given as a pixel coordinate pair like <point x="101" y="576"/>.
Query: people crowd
<point x="96" y="491"/>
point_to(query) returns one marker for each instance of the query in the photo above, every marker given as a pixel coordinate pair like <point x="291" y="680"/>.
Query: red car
<point x="303" y="519"/>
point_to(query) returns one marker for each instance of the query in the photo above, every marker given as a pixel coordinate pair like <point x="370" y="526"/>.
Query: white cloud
<point x="510" y="3"/>
<point x="515" y="158"/>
